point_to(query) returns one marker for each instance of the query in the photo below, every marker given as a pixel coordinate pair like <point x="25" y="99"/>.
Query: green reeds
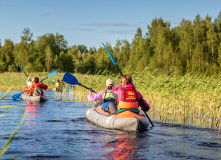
<point x="190" y="99"/>
<point x="7" y="144"/>
<point x="5" y="93"/>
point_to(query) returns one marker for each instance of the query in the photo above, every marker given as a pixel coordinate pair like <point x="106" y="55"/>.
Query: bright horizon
<point x="91" y="22"/>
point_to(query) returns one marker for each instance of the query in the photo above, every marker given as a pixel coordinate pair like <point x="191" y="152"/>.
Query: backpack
<point x="38" y="91"/>
<point x="108" y="96"/>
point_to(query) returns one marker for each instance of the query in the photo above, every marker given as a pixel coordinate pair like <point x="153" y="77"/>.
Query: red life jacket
<point x="129" y="94"/>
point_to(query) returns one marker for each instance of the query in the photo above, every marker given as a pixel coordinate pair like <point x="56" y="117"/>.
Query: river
<point x="58" y="129"/>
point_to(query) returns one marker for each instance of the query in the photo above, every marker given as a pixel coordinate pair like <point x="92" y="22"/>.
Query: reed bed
<point x="188" y="100"/>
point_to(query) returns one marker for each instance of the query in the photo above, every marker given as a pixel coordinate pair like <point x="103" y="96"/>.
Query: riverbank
<point x="193" y="100"/>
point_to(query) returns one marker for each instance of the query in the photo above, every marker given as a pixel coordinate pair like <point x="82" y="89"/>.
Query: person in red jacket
<point x="36" y="88"/>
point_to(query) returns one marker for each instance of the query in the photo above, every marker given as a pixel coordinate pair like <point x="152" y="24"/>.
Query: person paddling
<point x="36" y="89"/>
<point x="128" y="96"/>
<point x="57" y="84"/>
<point x="106" y="97"/>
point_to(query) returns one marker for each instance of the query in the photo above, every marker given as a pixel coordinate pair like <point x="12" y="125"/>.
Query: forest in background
<point x="194" y="46"/>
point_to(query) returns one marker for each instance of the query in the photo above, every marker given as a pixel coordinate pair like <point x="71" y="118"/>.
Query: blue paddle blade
<point x="16" y="96"/>
<point x="50" y="75"/>
<point x="70" y="79"/>
<point x="53" y="73"/>
<point x="112" y="58"/>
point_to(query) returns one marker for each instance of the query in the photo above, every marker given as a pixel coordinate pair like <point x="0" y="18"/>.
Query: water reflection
<point x="31" y="117"/>
<point x="123" y="146"/>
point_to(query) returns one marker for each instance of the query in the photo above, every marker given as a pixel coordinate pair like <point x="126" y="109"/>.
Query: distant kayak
<point x="127" y="120"/>
<point x="57" y="89"/>
<point x="33" y="98"/>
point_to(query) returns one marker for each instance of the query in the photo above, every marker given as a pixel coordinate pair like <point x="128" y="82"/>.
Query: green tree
<point x="212" y="42"/>
<point x="7" y="56"/>
<point x="186" y="44"/>
<point x="49" y="59"/>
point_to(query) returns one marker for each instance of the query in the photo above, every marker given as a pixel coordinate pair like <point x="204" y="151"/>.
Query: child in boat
<point x="106" y="97"/>
<point x="128" y="97"/>
<point x="36" y="89"/>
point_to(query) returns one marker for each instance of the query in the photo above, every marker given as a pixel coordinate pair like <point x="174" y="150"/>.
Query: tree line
<point x="194" y="46"/>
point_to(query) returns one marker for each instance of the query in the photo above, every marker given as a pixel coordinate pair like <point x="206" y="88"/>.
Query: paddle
<point x="22" y="70"/>
<point x="16" y="96"/>
<point x="113" y="60"/>
<point x="122" y="75"/>
<point x="50" y="75"/>
<point x="72" y="80"/>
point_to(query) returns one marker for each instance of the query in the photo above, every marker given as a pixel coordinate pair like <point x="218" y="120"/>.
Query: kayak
<point x="57" y="89"/>
<point x="127" y="120"/>
<point x="33" y="98"/>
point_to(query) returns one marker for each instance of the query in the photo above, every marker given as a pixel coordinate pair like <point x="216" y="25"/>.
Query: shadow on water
<point x="59" y="130"/>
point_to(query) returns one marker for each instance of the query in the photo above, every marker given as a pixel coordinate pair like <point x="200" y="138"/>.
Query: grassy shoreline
<point x="194" y="100"/>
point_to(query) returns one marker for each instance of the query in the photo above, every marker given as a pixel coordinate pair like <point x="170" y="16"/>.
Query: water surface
<point x="59" y="130"/>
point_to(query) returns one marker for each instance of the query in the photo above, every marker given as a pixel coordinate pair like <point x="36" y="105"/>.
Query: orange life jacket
<point x="129" y="99"/>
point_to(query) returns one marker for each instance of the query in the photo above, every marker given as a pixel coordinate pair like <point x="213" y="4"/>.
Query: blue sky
<point x="91" y="22"/>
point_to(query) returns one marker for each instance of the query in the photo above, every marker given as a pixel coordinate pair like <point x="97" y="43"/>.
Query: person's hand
<point x="90" y="90"/>
<point x="29" y="78"/>
<point x="40" y="81"/>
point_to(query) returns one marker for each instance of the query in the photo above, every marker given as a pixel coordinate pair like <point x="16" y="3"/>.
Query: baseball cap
<point x="109" y="82"/>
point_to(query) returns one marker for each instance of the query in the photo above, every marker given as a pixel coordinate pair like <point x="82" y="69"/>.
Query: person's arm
<point x="29" y="83"/>
<point x="43" y="86"/>
<point x="143" y="104"/>
<point x="115" y="89"/>
<point x="96" y="96"/>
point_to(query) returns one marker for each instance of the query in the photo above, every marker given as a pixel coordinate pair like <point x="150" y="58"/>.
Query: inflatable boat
<point x="33" y="98"/>
<point x="127" y="120"/>
<point x="57" y="89"/>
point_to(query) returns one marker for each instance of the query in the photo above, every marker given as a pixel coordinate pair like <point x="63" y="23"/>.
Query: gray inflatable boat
<point x="57" y="89"/>
<point x="117" y="122"/>
<point x="33" y="98"/>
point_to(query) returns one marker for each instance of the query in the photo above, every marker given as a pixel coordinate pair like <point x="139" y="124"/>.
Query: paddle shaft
<point x="119" y="70"/>
<point x="148" y="118"/>
<point x="44" y="79"/>
<point x="112" y="58"/>
<point x="26" y="74"/>
<point x="87" y="88"/>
